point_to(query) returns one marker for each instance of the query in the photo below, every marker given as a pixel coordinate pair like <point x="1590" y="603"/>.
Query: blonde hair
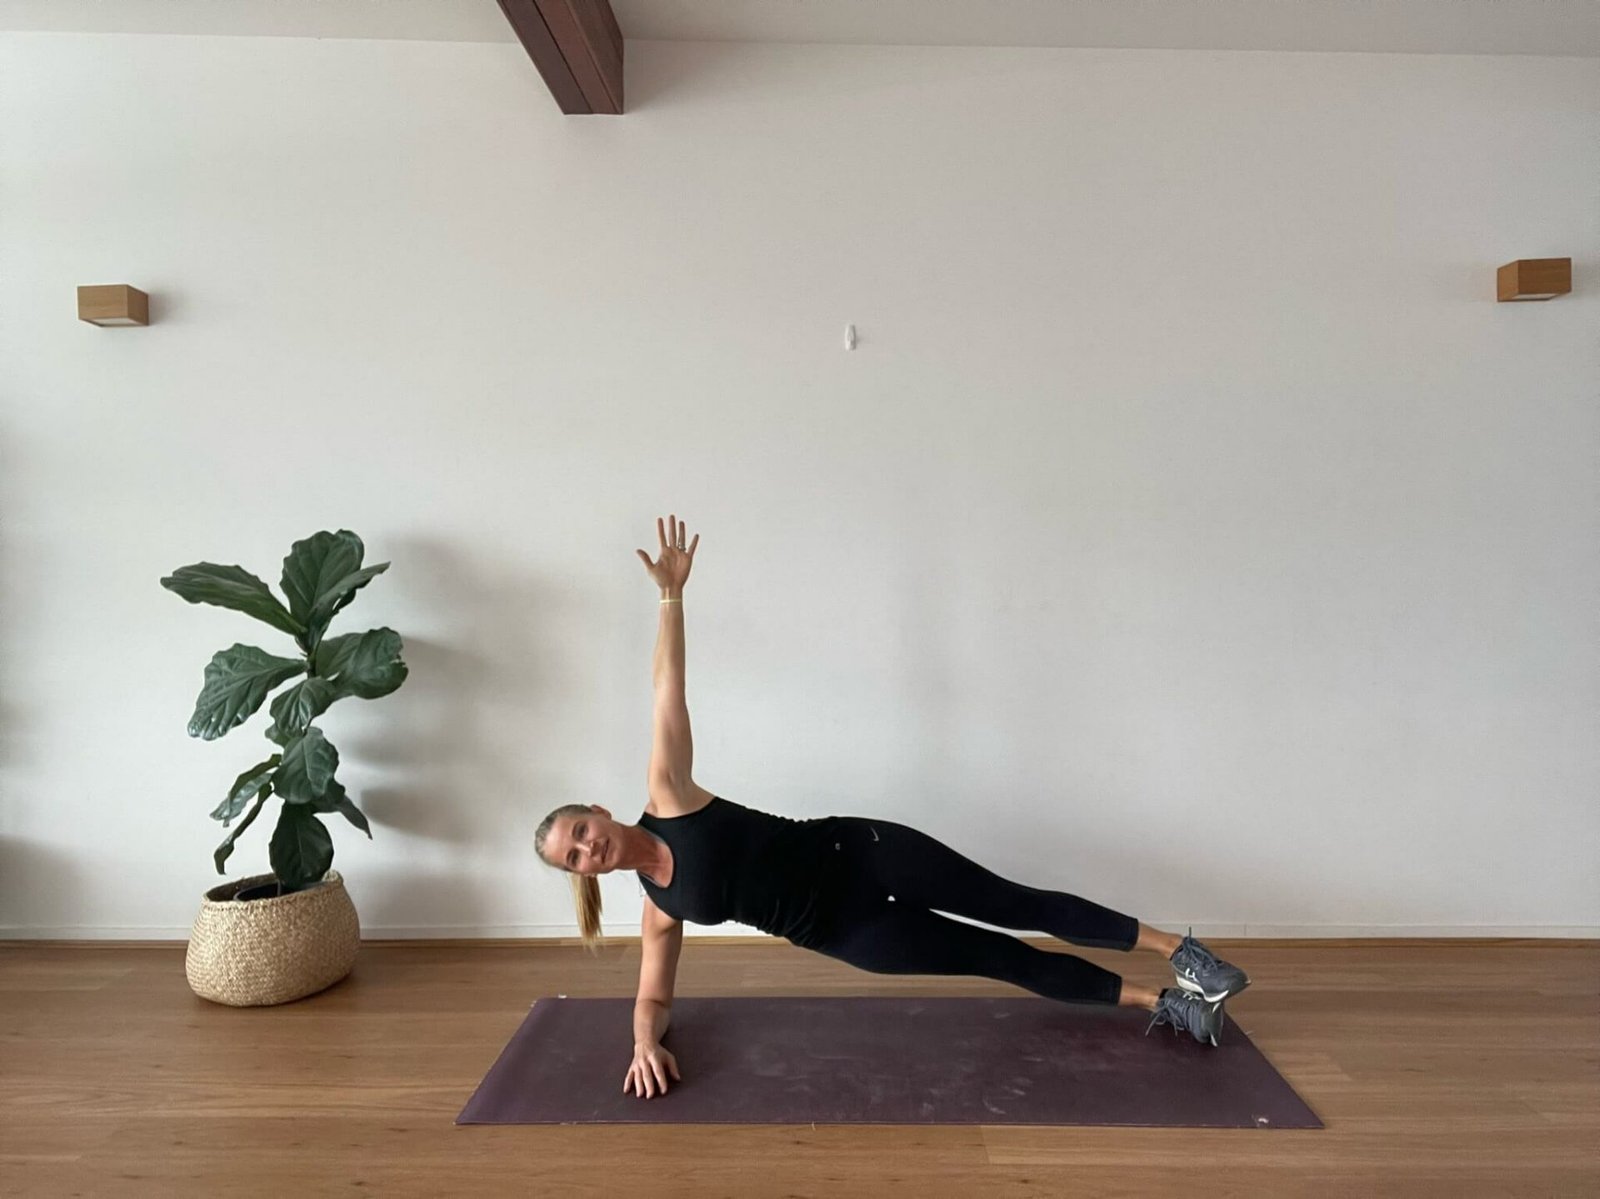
<point x="585" y="887"/>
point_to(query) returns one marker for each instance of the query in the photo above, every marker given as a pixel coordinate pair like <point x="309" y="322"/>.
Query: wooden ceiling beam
<point x="577" y="47"/>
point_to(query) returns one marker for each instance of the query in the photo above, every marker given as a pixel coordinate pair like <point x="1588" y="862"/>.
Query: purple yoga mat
<point x="883" y="1060"/>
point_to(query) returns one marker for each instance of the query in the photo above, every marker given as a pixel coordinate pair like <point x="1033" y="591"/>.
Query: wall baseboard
<point x="569" y="932"/>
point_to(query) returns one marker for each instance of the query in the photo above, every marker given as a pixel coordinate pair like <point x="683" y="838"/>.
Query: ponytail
<point x="586" y="895"/>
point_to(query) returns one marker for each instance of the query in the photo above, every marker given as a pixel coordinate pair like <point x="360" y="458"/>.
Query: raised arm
<point x="672" y="750"/>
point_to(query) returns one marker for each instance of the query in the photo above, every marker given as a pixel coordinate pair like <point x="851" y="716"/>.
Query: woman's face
<point x="586" y="844"/>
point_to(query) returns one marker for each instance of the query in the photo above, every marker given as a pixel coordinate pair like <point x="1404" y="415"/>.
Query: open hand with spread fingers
<point x="647" y="1077"/>
<point x="671" y="570"/>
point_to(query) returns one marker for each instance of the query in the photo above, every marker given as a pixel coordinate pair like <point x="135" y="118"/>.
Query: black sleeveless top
<point x="730" y="862"/>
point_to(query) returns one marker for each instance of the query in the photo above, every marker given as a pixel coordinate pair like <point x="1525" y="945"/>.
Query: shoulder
<point x="668" y="799"/>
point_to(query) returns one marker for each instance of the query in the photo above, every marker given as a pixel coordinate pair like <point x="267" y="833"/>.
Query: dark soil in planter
<point x="260" y="891"/>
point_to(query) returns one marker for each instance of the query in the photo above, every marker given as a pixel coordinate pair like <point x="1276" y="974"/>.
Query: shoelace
<point x="1197" y="955"/>
<point x="1164" y="1014"/>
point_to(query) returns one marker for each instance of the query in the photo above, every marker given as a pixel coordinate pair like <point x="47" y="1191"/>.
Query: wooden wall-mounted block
<point x="1535" y="279"/>
<point x="113" y="304"/>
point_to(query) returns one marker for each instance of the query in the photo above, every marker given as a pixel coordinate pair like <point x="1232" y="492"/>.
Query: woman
<point x="865" y="891"/>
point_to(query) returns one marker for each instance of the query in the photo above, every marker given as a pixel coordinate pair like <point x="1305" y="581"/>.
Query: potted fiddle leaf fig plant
<point x="280" y="936"/>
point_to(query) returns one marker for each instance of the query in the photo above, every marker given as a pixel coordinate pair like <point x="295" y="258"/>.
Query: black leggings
<point x="894" y="876"/>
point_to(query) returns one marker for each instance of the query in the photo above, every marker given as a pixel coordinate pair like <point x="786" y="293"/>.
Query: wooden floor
<point x="1440" y="1068"/>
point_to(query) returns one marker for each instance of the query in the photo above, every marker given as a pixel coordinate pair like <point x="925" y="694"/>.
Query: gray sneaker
<point x="1201" y="971"/>
<point x="1184" y="1009"/>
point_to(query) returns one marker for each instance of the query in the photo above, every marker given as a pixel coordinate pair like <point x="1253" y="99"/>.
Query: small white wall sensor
<point x="849" y="337"/>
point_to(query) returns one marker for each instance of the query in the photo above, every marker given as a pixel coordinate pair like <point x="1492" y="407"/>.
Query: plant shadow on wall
<point x="459" y="782"/>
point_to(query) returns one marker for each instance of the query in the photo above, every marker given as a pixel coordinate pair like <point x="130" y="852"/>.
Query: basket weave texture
<point x="265" y="951"/>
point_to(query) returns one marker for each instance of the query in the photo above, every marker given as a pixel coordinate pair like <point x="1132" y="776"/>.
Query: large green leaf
<point x="226" y="847"/>
<point x="232" y="587"/>
<point x="246" y="787"/>
<point x="362" y="664"/>
<point x="296" y="708"/>
<point x="237" y="680"/>
<point x="315" y="565"/>
<point x="307" y="767"/>
<point x="301" y="849"/>
<point x="341" y="593"/>
<point x="320" y="576"/>
<point x="334" y="799"/>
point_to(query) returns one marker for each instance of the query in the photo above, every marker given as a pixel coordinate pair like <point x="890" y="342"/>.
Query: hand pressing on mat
<point x="671" y="571"/>
<point x="648" y="1074"/>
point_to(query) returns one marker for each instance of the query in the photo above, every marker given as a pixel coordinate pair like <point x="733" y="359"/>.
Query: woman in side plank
<point x="865" y="891"/>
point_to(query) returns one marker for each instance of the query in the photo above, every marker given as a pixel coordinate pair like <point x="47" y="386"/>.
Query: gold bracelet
<point x="675" y="600"/>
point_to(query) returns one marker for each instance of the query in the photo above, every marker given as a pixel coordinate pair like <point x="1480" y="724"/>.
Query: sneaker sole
<point x="1208" y="996"/>
<point x="1222" y="1019"/>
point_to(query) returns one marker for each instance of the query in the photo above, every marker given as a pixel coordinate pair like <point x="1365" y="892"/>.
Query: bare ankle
<point x="1153" y="939"/>
<point x="1136" y="996"/>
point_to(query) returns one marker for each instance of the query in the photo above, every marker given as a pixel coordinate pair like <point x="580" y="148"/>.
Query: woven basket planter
<point x="263" y="951"/>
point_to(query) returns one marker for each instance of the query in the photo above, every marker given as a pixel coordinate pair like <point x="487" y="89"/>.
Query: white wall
<point x="1191" y="530"/>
